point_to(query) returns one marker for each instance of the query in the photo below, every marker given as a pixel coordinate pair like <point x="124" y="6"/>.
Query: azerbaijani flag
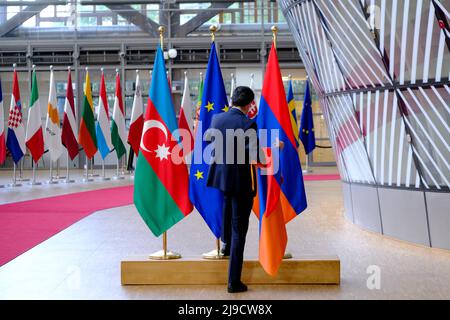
<point x="102" y="125"/>
<point x="86" y="136"/>
<point x="35" y="137"/>
<point x="118" y="131"/>
<point x="281" y="193"/>
<point x="160" y="183"/>
<point x="2" y="129"/>
<point x="69" y="126"/>
<point x="291" y="103"/>
<point x="137" y="118"/>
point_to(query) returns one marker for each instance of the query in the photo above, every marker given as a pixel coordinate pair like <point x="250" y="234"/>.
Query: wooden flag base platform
<point x="314" y="270"/>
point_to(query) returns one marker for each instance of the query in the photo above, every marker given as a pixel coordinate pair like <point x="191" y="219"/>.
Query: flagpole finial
<point x="33" y="66"/>
<point x="274" y="34"/>
<point x="213" y="29"/>
<point x="137" y="71"/>
<point x="102" y="69"/>
<point x="69" y="68"/>
<point x="117" y="70"/>
<point x="14" y="65"/>
<point x="161" y="30"/>
<point x="87" y="69"/>
<point x="51" y="68"/>
<point x="185" y="73"/>
<point x="232" y="75"/>
<point x="290" y="77"/>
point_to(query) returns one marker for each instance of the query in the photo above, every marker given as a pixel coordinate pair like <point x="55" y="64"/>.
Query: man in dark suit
<point x="232" y="171"/>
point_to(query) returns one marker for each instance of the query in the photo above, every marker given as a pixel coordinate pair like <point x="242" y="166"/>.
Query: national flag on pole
<point x="207" y="200"/>
<point x="185" y="121"/>
<point x="86" y="135"/>
<point x="35" y="137"/>
<point x="233" y="86"/>
<point x="307" y="135"/>
<point x="253" y="111"/>
<point x="52" y="124"/>
<point x="15" y="141"/>
<point x="118" y="131"/>
<point x="102" y="126"/>
<point x="160" y="183"/>
<point x="2" y="128"/>
<point x="291" y="104"/>
<point x="137" y="118"/>
<point x="281" y="194"/>
<point x="199" y="103"/>
<point x="69" y="126"/>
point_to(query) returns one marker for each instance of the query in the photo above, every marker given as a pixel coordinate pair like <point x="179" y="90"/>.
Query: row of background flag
<point x="104" y="135"/>
<point x="109" y="134"/>
<point x="165" y="193"/>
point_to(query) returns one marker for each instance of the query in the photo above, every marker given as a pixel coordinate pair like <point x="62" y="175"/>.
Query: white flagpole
<point x="34" y="182"/>
<point x="86" y="169"/>
<point x="68" y="180"/>
<point x="14" y="180"/>
<point x="118" y="176"/>
<point x="104" y="177"/>
<point x="50" y="180"/>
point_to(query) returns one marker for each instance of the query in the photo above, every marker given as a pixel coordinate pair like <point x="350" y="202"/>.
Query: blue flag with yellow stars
<point x="208" y="201"/>
<point x="307" y="135"/>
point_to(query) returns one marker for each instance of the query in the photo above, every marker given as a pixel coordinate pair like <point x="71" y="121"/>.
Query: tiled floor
<point x="83" y="261"/>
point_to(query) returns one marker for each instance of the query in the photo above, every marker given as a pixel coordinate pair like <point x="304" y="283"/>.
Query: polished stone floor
<point x="83" y="261"/>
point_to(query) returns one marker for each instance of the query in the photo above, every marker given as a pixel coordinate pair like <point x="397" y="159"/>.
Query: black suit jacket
<point x="234" y="173"/>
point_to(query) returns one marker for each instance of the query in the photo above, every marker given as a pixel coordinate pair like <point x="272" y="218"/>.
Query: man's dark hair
<point x="242" y="96"/>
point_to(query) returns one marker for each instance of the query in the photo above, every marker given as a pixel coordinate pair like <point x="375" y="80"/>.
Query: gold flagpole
<point x="214" y="254"/>
<point x="164" y="254"/>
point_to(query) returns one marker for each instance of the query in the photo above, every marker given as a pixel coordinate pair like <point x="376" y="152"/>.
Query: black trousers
<point x="236" y="215"/>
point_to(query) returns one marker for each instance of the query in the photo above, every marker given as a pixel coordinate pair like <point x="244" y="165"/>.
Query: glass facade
<point x="382" y="70"/>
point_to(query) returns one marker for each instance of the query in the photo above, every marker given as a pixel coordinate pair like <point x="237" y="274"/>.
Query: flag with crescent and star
<point x="161" y="180"/>
<point x="208" y="201"/>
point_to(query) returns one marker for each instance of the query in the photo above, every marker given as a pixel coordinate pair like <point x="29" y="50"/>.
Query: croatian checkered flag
<point x="16" y="132"/>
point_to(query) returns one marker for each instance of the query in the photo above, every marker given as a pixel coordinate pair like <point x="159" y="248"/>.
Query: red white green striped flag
<point x="34" y="138"/>
<point x="118" y="132"/>
<point x="86" y="136"/>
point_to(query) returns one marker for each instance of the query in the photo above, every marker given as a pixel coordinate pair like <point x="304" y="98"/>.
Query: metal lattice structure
<point x="382" y="70"/>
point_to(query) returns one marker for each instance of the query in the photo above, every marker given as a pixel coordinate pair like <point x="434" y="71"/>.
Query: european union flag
<point x="208" y="201"/>
<point x="307" y="135"/>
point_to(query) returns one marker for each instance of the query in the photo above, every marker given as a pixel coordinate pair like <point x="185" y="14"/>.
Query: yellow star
<point x="199" y="175"/>
<point x="210" y="106"/>
<point x="226" y="108"/>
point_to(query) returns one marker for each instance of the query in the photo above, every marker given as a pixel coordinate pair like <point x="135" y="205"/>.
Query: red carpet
<point x="321" y="177"/>
<point x="24" y="225"/>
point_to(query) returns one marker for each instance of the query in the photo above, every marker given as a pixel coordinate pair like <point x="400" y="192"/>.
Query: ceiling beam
<point x="22" y="16"/>
<point x="135" y="17"/>
<point x="201" y="18"/>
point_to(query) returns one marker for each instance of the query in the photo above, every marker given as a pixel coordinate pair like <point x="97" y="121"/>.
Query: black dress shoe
<point x="236" y="288"/>
<point x="225" y="251"/>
